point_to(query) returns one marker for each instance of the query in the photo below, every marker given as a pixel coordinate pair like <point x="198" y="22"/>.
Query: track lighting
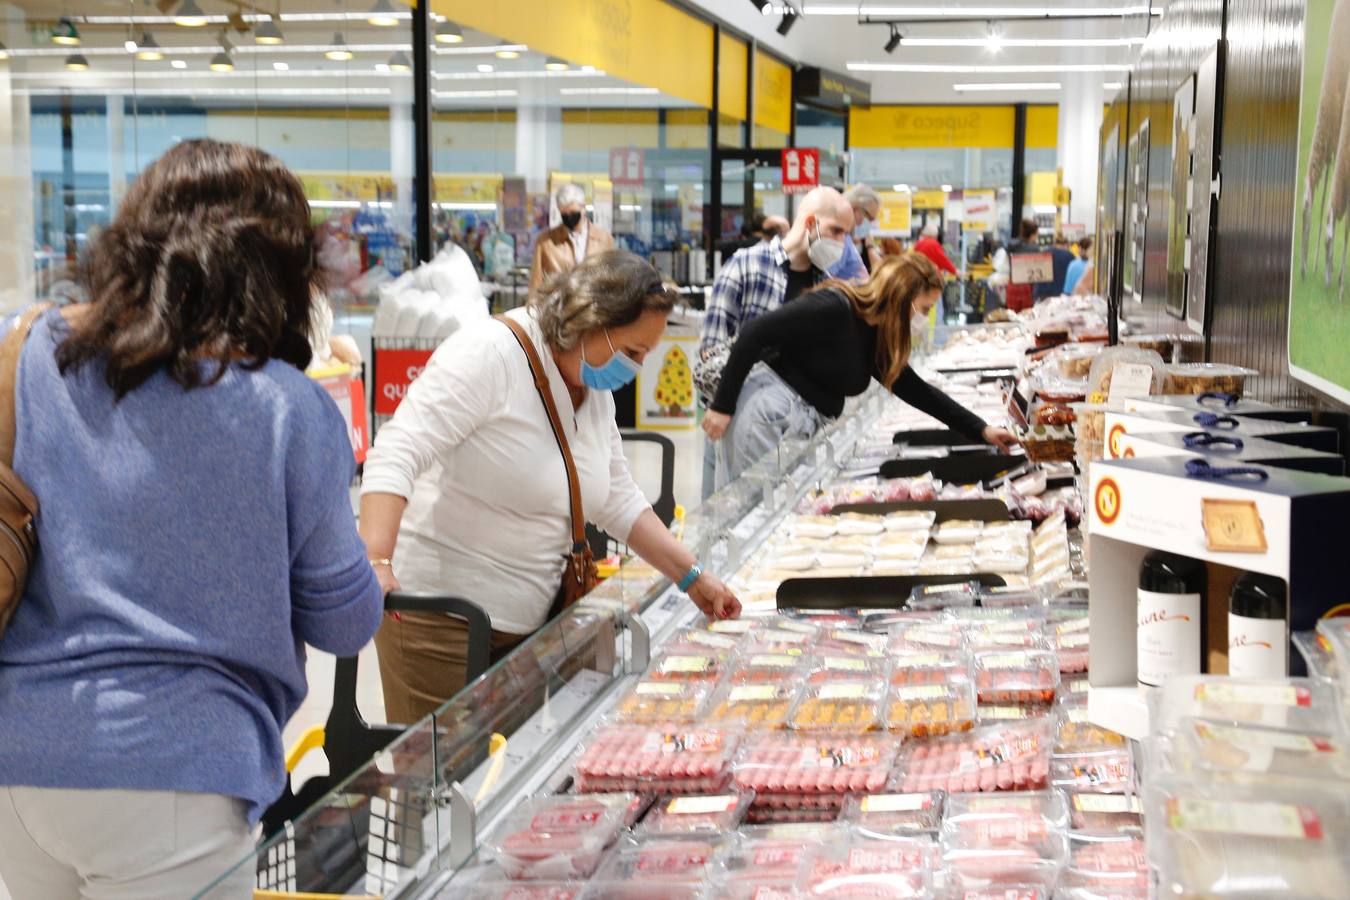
<point x="894" y="40"/>
<point x="789" y="19"/>
<point x="268" y="33"/>
<point x="189" y="15"/>
<point x="448" y="33"/>
<point x="65" y="33"/>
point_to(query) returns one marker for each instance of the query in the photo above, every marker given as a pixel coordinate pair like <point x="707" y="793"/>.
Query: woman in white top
<point x="465" y="491"/>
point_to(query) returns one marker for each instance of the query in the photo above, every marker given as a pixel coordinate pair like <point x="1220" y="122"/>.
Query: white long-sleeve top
<point x="470" y="447"/>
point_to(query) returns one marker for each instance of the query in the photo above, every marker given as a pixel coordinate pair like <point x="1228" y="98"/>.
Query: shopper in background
<point x="195" y="533"/>
<point x="465" y="491"/>
<point x="775" y="227"/>
<point x="1061" y="257"/>
<point x="890" y="246"/>
<point x="1074" y="273"/>
<point x="826" y="347"/>
<point x="762" y="278"/>
<point x="563" y="246"/>
<point x="752" y="233"/>
<point x="929" y="245"/>
<point x="1019" y="297"/>
<point x="860" y="255"/>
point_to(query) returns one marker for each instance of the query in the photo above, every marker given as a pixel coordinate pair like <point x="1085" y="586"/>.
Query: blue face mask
<point x="618" y="372"/>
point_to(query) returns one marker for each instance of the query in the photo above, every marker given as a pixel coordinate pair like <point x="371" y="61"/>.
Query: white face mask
<point x="863" y="231"/>
<point x="917" y="326"/>
<point x="825" y="252"/>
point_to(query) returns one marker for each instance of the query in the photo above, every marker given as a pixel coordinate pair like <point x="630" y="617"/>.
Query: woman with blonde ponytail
<point x="824" y="347"/>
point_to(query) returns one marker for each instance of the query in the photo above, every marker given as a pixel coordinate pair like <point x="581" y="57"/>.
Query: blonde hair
<point x="608" y="290"/>
<point x="886" y="302"/>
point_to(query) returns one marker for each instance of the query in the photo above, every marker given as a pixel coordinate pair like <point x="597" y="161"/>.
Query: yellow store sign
<point x="773" y="93"/>
<point x="647" y="42"/>
<point x="896" y="215"/>
<point x="931" y="126"/>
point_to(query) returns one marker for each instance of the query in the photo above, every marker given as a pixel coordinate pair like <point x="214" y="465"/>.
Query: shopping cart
<point x="371" y="828"/>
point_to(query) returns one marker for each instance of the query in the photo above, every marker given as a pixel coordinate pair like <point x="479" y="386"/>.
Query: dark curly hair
<point x="209" y="261"/>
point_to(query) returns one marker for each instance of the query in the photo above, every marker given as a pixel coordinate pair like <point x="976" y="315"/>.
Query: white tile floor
<point x="646" y="467"/>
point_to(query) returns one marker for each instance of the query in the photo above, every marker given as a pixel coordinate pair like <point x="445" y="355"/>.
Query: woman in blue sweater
<point x="195" y="533"/>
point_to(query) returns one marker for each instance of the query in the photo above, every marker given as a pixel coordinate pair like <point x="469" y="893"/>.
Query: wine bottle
<point x="1258" y="628"/>
<point x="1172" y="619"/>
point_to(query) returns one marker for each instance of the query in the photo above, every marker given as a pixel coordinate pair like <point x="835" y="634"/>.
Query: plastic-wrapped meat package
<point x="708" y="815"/>
<point x="1248" y="841"/>
<point x="923" y="710"/>
<point x="527" y="890"/>
<point x="1007" y="757"/>
<point x="899" y="546"/>
<point x="1308" y="705"/>
<point x="812" y="772"/>
<point x="927" y="637"/>
<point x="889" y="816"/>
<point x="658" y="870"/>
<point x="1034" y="820"/>
<point x="776" y="638"/>
<point x="1076" y="734"/>
<point x="945" y="596"/>
<point x="753" y="705"/>
<point x="559" y="837"/>
<point x="700" y="640"/>
<point x="766" y="868"/>
<point x="1010" y="634"/>
<point x="1218" y="751"/>
<point x="989" y="713"/>
<point x="1108" y="769"/>
<point x="1022" y="676"/>
<point x="1108" y="862"/>
<point x="701" y="666"/>
<point x="1105" y="812"/>
<point x="862" y="868"/>
<point x="663" y="701"/>
<point x="812" y="526"/>
<point x="1318" y="653"/>
<point x="663" y="758"/>
<point x="754" y="886"/>
<point x="986" y="871"/>
<point x="958" y="531"/>
<point x="768" y="668"/>
<point x="1071" y="646"/>
<point x="930" y="667"/>
<point x="844" y="707"/>
<point x="833" y="666"/>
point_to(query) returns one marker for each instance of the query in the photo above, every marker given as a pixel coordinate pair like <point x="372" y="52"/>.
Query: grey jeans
<point x="767" y="412"/>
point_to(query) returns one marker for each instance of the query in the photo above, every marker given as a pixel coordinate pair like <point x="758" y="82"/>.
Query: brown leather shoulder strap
<point x="10" y="349"/>
<point x="545" y="390"/>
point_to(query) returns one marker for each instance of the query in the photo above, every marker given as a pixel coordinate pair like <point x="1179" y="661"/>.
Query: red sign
<point x="626" y="167"/>
<point x="394" y="371"/>
<point x="350" y="396"/>
<point x="801" y="170"/>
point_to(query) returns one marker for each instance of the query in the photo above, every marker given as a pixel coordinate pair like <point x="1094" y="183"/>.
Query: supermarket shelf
<point x="1121" y="709"/>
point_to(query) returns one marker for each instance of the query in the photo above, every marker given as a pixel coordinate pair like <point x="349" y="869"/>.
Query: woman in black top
<point x="824" y="347"/>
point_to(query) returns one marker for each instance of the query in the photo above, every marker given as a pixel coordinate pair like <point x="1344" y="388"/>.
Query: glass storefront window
<point x="326" y="89"/>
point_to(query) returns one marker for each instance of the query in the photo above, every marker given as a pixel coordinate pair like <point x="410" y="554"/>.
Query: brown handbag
<point x="18" y="506"/>
<point x="580" y="575"/>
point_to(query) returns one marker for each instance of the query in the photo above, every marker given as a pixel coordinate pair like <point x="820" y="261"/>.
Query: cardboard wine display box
<point x="1226" y="450"/>
<point x="1283" y="523"/>
<point x="1250" y="409"/>
<point x="1119" y="422"/>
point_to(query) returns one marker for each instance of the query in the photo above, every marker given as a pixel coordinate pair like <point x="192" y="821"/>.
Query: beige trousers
<point x="60" y="844"/>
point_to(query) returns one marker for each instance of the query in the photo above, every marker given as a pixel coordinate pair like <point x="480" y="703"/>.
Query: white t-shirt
<point x="488" y="517"/>
<point x="579" y="238"/>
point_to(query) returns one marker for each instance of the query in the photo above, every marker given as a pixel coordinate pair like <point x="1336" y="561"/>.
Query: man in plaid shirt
<point x="759" y="279"/>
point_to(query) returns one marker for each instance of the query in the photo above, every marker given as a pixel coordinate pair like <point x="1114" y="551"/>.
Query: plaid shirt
<point x="752" y="283"/>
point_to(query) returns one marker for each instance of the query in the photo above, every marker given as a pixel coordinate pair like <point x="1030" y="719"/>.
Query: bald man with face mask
<point x="762" y="278"/>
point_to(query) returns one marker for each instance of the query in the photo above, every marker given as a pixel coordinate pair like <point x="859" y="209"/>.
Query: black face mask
<point x="571" y="220"/>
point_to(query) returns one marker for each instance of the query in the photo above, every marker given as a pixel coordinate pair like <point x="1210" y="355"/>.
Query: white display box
<point x="1231" y="451"/>
<point x="1290" y="525"/>
<point x="1120" y="422"/>
<point x="1250" y="409"/>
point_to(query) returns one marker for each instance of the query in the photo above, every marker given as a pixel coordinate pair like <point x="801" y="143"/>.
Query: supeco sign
<point x="394" y="371"/>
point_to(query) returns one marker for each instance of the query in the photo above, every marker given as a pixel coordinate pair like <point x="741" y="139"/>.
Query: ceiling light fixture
<point x="339" y="52"/>
<point x="399" y="62"/>
<point x="1009" y="86"/>
<point x="946" y="69"/>
<point x="760" y="4"/>
<point x="894" y="40"/>
<point x="178" y="63"/>
<point x="789" y="19"/>
<point x="65" y="33"/>
<point x="946" y="189"/>
<point x="221" y="62"/>
<point x="900" y="188"/>
<point x="485" y="67"/>
<point x="553" y="64"/>
<point x="507" y="53"/>
<point x="189" y="15"/>
<point x="4" y="51"/>
<point x="382" y="15"/>
<point x="281" y="66"/>
<point x="268" y="33"/>
<point x="957" y="11"/>
<point x="994" y="37"/>
<point x="1024" y="42"/>
<point x="148" y="49"/>
<point x="448" y="33"/>
<point x="76" y="62"/>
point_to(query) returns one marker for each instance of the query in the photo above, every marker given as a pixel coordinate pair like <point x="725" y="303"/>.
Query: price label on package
<point x="1130" y="381"/>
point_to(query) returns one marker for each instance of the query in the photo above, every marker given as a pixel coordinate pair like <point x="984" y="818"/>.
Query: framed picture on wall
<point x="1319" y="329"/>
<point x="1179" y="199"/>
<point x="1204" y="202"/>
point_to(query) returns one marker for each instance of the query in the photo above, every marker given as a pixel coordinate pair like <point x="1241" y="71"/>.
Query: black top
<point x="826" y="353"/>
<point x="799" y="283"/>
